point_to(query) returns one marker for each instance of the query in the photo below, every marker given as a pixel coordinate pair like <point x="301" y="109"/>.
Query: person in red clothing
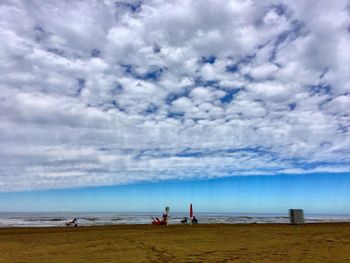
<point x="164" y="221"/>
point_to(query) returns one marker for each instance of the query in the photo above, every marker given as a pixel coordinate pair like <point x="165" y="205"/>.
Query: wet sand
<point x="198" y="243"/>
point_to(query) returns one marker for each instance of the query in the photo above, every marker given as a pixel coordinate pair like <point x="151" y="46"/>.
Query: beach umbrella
<point x="191" y="211"/>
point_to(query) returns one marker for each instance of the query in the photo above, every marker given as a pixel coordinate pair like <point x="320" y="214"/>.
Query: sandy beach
<point x="198" y="243"/>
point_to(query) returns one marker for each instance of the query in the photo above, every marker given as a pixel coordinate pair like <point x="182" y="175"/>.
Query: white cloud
<point x="264" y="71"/>
<point x="105" y="92"/>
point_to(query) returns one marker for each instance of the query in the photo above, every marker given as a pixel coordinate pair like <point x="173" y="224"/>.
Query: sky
<point x="315" y="194"/>
<point x="126" y="93"/>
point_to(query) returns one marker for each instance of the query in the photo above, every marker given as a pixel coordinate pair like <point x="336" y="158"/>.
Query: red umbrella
<point x="191" y="211"/>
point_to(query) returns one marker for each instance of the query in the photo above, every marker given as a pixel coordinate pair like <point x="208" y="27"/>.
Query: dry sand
<point x="199" y="243"/>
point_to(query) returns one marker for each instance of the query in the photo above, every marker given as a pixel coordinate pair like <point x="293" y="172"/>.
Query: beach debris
<point x="164" y="221"/>
<point x="296" y="216"/>
<point x="72" y="223"/>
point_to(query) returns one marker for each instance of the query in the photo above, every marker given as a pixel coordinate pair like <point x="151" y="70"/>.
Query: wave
<point x="43" y="219"/>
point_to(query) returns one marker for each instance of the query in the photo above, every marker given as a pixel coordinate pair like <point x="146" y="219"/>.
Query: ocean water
<point x="58" y="219"/>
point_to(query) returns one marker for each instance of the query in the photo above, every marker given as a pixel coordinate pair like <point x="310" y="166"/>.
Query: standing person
<point x="165" y="216"/>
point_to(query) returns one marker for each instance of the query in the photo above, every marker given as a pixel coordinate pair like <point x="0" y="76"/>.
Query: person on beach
<point x="194" y="220"/>
<point x="73" y="223"/>
<point x="164" y="221"/>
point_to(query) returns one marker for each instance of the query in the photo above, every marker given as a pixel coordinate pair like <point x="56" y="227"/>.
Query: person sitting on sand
<point x="164" y="221"/>
<point x="73" y="223"/>
<point x="184" y="220"/>
<point x="194" y="220"/>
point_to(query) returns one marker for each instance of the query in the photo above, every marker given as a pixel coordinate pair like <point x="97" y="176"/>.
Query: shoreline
<point x="49" y="219"/>
<point x="173" y="225"/>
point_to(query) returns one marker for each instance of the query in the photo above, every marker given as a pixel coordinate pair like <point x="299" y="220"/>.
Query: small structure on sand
<point x="296" y="216"/>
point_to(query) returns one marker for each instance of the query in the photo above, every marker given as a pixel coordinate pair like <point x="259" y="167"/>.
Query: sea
<point x="58" y="219"/>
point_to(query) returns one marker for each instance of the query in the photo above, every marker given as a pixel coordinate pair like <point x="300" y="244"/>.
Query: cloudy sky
<point x="100" y="93"/>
